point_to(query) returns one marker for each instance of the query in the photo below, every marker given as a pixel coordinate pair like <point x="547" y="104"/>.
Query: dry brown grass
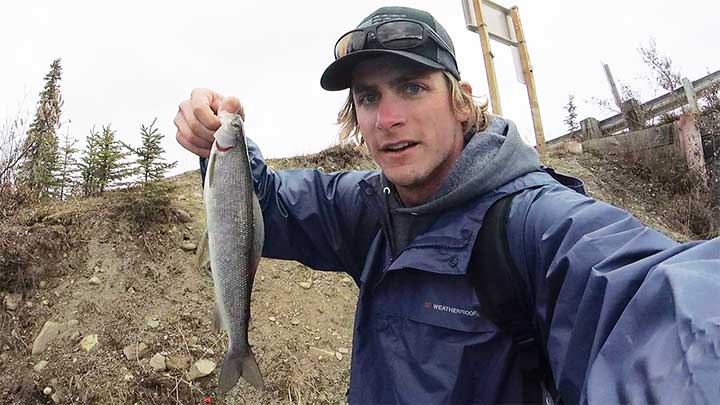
<point x="335" y="158"/>
<point x="687" y="202"/>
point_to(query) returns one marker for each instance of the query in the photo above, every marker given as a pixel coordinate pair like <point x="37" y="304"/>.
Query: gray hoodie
<point x="490" y="159"/>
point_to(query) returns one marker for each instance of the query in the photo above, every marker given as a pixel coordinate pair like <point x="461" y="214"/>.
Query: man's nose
<point x="390" y="113"/>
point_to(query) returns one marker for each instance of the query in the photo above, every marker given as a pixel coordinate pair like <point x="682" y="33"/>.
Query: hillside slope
<point x="92" y="268"/>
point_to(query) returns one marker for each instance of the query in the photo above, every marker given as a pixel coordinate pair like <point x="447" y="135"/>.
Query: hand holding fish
<point x="197" y="119"/>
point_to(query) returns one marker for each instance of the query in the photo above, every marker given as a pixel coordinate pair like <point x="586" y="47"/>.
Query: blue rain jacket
<point x="626" y="314"/>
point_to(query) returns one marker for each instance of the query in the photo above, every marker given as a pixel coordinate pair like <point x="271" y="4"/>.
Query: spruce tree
<point x="151" y="168"/>
<point x="41" y="162"/>
<point x="68" y="173"/>
<point x="150" y="165"/>
<point x="89" y="164"/>
<point x="102" y="165"/>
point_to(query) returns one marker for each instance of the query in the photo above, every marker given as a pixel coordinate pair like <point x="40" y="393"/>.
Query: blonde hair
<point x="460" y="100"/>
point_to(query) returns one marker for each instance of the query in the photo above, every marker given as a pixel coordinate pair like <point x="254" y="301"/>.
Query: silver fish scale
<point x="229" y="205"/>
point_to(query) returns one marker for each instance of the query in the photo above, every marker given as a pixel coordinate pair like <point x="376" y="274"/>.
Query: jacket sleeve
<point x="628" y="315"/>
<point x="315" y="218"/>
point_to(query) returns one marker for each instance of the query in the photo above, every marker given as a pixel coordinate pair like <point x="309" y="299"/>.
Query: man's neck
<point x="412" y="197"/>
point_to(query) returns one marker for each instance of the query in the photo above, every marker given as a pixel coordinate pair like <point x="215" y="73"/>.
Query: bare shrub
<point x="571" y="119"/>
<point x="12" y="150"/>
<point x="661" y="66"/>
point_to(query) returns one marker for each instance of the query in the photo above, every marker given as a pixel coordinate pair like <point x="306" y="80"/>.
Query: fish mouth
<point x="221" y="149"/>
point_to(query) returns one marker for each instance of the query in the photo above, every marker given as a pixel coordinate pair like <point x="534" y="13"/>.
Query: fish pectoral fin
<point x="236" y="365"/>
<point x="210" y="168"/>
<point x="258" y="236"/>
<point x="258" y="228"/>
<point x="203" y="252"/>
<point x="216" y="319"/>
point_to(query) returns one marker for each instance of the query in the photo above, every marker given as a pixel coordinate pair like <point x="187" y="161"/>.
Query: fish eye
<point x="236" y="124"/>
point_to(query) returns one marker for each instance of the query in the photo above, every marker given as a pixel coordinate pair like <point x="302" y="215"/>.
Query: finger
<point x="183" y="140"/>
<point x="196" y="128"/>
<point x="189" y="135"/>
<point x="232" y="105"/>
<point x="205" y="103"/>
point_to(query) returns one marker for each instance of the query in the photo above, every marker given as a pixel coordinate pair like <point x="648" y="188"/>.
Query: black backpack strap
<point x="505" y="300"/>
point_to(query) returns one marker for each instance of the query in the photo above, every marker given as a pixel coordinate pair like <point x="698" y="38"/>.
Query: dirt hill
<point x="88" y="271"/>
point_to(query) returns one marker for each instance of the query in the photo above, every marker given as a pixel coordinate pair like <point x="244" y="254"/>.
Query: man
<point x="623" y="314"/>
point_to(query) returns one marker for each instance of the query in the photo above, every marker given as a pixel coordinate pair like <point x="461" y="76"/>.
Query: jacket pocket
<point x="446" y="301"/>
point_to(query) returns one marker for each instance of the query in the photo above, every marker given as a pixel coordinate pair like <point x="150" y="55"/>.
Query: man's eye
<point x="413" y="88"/>
<point x="368" y="98"/>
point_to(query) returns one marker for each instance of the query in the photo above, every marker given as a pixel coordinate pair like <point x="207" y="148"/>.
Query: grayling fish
<point x="235" y="239"/>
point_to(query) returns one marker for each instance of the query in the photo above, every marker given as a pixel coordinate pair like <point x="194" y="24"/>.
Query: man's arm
<point x="316" y="218"/>
<point x="629" y="315"/>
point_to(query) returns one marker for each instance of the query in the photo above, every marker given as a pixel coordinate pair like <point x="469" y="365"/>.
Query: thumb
<point x="233" y="106"/>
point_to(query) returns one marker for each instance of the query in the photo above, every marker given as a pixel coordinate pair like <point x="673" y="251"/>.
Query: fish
<point x="235" y="237"/>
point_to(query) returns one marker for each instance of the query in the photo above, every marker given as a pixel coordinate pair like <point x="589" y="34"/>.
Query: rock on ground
<point x="182" y="216"/>
<point x="177" y="362"/>
<point x="40" y="365"/>
<point x="12" y="301"/>
<point x="201" y="368"/>
<point x="89" y="342"/>
<point x="135" y="351"/>
<point x="152" y="323"/>
<point x="51" y="331"/>
<point x="188" y="246"/>
<point x="157" y="362"/>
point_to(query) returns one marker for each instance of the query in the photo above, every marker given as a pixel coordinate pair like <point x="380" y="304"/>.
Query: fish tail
<point x="240" y="364"/>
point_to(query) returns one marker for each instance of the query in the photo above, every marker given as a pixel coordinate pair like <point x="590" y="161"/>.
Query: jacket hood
<point x="491" y="158"/>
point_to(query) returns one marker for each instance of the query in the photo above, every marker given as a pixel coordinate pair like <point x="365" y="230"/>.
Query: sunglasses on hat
<point x="394" y="34"/>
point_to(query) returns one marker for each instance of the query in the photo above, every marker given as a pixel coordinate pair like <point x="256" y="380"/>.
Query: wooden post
<point x="691" y="96"/>
<point x="590" y="128"/>
<point x="634" y="114"/>
<point x="691" y="146"/>
<point x="488" y="58"/>
<point x="613" y="86"/>
<point x="529" y="80"/>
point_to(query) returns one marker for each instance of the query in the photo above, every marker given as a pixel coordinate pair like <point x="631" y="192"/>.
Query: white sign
<point x="497" y="18"/>
<point x="500" y="28"/>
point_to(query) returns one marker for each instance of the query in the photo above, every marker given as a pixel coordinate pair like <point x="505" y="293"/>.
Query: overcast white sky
<point x="125" y="63"/>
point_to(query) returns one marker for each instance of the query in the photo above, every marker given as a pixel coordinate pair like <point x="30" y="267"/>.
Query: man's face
<point x="404" y="115"/>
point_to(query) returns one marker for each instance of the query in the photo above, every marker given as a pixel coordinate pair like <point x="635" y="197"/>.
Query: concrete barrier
<point x="679" y="139"/>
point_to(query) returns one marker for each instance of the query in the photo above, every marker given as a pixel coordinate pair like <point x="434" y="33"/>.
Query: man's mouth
<point x="399" y="147"/>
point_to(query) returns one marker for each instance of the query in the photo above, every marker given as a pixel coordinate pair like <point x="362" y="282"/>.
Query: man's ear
<point x="463" y="114"/>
